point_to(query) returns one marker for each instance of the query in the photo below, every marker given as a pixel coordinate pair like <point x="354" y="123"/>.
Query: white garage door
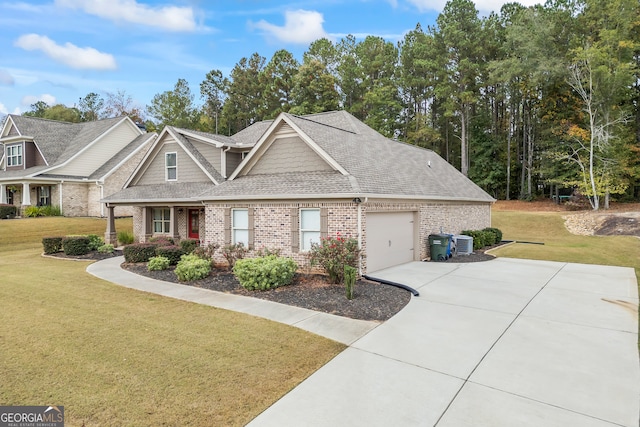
<point x="390" y="239"/>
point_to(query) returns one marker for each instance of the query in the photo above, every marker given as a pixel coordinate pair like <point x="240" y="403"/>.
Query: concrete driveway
<point x="501" y="343"/>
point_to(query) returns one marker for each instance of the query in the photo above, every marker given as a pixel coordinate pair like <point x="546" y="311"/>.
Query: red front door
<point x="194" y="223"/>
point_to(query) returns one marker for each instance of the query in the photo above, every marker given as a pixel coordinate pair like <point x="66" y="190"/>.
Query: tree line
<point x="528" y="101"/>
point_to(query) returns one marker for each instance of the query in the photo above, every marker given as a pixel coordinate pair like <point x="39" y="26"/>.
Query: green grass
<point x="560" y="245"/>
<point x="115" y="356"/>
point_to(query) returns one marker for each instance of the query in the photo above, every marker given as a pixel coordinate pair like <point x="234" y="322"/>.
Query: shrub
<point x="233" y="253"/>
<point x="333" y="253"/>
<point x="189" y="245"/>
<point x="172" y="253"/>
<point x="139" y="252"/>
<point x="95" y="242"/>
<point x="206" y="252"/>
<point x="52" y="245"/>
<point x="265" y="272"/>
<point x="75" y="245"/>
<point x="262" y="252"/>
<point x="32" y="212"/>
<point x="478" y="238"/>
<point x="158" y="263"/>
<point x="497" y="233"/>
<point x="162" y="240"/>
<point x="349" y="280"/>
<point x="125" y="237"/>
<point x="192" y="267"/>
<point x="36" y="211"/>
<point x="106" y="249"/>
<point x="8" y="211"/>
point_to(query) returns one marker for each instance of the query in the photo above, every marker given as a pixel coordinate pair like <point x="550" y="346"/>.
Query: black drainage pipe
<point x="397" y="285"/>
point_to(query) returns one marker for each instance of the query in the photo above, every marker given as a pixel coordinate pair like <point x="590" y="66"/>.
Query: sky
<point x="58" y="51"/>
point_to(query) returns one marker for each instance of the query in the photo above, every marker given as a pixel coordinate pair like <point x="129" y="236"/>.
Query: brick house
<point x="285" y="183"/>
<point x="70" y="165"/>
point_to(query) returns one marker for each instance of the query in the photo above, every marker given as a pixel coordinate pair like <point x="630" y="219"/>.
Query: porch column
<point x="110" y="236"/>
<point x="3" y="194"/>
<point x="173" y="223"/>
<point x="146" y="224"/>
<point x="26" y="194"/>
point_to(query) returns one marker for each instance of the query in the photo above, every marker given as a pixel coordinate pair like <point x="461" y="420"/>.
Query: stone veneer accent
<point x="272" y="222"/>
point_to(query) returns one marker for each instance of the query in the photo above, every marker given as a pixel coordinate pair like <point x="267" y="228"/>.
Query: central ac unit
<point x="464" y="244"/>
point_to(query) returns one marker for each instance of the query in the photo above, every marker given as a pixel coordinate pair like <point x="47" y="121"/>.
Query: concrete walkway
<point x="337" y="328"/>
<point x="501" y="343"/>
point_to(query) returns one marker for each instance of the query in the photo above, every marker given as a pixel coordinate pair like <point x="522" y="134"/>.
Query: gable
<point x="154" y="170"/>
<point x="289" y="154"/>
<point x="103" y="148"/>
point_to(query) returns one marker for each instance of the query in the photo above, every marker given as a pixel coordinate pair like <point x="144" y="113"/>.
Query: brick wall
<point x="273" y="228"/>
<point x="75" y="198"/>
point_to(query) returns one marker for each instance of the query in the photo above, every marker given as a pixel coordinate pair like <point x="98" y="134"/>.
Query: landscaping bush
<point x="265" y="272"/>
<point x="206" y="252"/>
<point x="106" y="249"/>
<point x="350" y="274"/>
<point x="189" y="245"/>
<point x="262" y="252"/>
<point x="162" y="240"/>
<point x="125" y="237"/>
<point x="8" y="211"/>
<point x="75" y="245"/>
<point x="32" y="212"/>
<point x="486" y="237"/>
<point x="172" y="253"/>
<point x="233" y="253"/>
<point x="496" y="233"/>
<point x="36" y="211"/>
<point x="333" y="253"/>
<point x="192" y="267"/>
<point x="52" y="245"/>
<point x="139" y="252"/>
<point x="158" y="263"/>
<point x="95" y="242"/>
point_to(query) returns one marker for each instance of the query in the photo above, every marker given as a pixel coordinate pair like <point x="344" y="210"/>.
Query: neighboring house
<point x="304" y="177"/>
<point x="70" y="165"/>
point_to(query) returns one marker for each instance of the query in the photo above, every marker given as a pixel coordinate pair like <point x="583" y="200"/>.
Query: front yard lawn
<point x="114" y="356"/>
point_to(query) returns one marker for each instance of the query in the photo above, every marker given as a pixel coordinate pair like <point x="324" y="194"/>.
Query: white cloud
<point x="32" y="99"/>
<point x="484" y="6"/>
<point x="6" y="78"/>
<point x="3" y="109"/>
<point x="68" y="54"/>
<point x="173" y="18"/>
<point x="300" y="26"/>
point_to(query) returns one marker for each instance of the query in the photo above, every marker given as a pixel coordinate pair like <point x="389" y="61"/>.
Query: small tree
<point x="333" y="253"/>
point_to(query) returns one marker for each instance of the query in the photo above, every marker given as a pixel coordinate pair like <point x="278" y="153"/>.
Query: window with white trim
<point x="309" y="228"/>
<point x="161" y="220"/>
<point x="171" y="166"/>
<point x="240" y="226"/>
<point x="44" y="195"/>
<point x="14" y="155"/>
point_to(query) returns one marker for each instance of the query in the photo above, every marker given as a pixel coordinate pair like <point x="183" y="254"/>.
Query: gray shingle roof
<point x="158" y="193"/>
<point x="59" y="141"/>
<point x="249" y="136"/>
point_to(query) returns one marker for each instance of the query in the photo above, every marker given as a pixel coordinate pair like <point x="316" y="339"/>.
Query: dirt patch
<point x="604" y="224"/>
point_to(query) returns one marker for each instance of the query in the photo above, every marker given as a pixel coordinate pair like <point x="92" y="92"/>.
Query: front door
<point x="194" y="223"/>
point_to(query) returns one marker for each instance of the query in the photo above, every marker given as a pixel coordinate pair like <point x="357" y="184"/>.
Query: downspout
<point x="223" y="162"/>
<point x="101" y="197"/>
<point x="60" y="197"/>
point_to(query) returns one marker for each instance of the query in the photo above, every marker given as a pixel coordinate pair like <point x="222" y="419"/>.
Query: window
<point x="161" y="220"/>
<point x="240" y="226"/>
<point x="309" y="228"/>
<point x="9" y="196"/>
<point x="171" y="165"/>
<point x="44" y="195"/>
<point x="14" y="155"/>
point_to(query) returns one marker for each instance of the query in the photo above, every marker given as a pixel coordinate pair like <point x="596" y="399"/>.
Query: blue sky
<point x="58" y="51"/>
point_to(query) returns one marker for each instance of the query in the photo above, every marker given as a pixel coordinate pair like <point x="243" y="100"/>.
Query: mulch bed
<point x="372" y="300"/>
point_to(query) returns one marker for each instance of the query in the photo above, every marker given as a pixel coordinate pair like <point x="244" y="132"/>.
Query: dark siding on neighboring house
<point x="30" y="156"/>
